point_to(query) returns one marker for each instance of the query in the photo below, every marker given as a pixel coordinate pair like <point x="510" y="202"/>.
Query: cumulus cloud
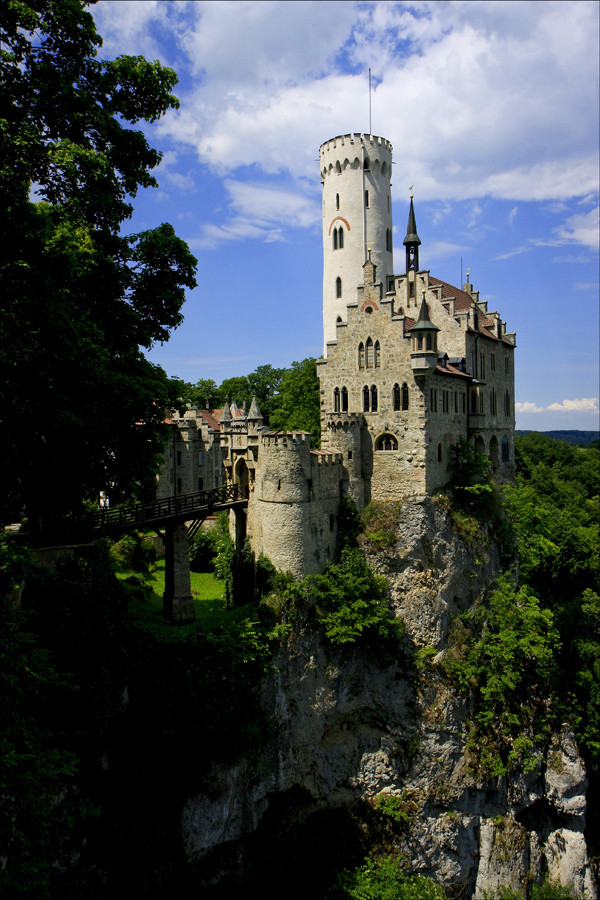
<point x="583" y="405"/>
<point x="471" y="94"/>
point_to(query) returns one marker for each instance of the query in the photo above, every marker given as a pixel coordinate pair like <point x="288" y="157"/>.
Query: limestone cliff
<point x="346" y="731"/>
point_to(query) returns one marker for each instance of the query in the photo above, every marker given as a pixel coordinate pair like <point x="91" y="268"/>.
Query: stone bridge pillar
<point x="178" y="605"/>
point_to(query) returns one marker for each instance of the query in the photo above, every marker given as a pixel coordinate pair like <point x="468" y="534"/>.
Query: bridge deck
<point x="170" y="511"/>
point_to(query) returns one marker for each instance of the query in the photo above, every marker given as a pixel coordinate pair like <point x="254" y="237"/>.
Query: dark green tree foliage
<point x="81" y="406"/>
<point x="554" y="508"/>
<point x="297" y="406"/>
<point x="508" y="668"/>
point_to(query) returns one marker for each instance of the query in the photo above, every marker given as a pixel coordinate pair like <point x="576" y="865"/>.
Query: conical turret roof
<point x="424" y="323"/>
<point x="411" y="232"/>
<point x="255" y="412"/>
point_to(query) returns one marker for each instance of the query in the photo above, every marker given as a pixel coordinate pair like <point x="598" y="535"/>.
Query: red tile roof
<point x="462" y="299"/>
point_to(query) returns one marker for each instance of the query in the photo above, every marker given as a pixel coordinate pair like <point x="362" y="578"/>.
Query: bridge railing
<point x="176" y="507"/>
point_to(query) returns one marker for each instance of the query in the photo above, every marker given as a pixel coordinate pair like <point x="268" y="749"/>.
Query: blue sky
<point x="492" y="109"/>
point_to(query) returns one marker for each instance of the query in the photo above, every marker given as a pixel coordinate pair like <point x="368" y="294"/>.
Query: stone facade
<point x="411" y="366"/>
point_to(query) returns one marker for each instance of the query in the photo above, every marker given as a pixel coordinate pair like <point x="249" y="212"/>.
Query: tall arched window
<point x="344" y="399"/>
<point x="405" y="396"/>
<point x="439" y="452"/>
<point x="337" y="201"/>
<point x="388" y="240"/>
<point x="341" y="237"/>
<point x="338" y="287"/>
<point x="429" y="342"/>
<point x="420" y="342"/>
<point x="507" y="404"/>
<point x="481" y="364"/>
<point x="366" y="398"/>
<point x="361" y="355"/>
<point x="505" y="453"/>
<point x="336" y="400"/>
<point x="373" y="399"/>
<point x="335" y="239"/>
<point x="369" y="353"/>
<point x="377" y="354"/>
<point x="396" y="396"/>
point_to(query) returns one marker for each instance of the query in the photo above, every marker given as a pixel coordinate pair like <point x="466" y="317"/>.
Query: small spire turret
<point x="412" y="240"/>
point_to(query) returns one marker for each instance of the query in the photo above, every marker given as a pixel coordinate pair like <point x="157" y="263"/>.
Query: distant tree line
<point x="288" y="398"/>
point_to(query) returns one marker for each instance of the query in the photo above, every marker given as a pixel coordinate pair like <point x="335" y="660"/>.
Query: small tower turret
<point x="412" y="241"/>
<point x="423" y="336"/>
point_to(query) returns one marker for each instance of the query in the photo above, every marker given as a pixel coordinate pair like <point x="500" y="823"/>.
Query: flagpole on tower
<point x="370" y="127"/>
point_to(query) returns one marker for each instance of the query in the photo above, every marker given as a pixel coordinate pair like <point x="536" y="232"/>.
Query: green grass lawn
<point x="208" y="594"/>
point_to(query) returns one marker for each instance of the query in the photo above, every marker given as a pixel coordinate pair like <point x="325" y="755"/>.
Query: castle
<point x="410" y="366"/>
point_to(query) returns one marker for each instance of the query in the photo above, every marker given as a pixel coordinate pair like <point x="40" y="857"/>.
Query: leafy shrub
<point x="382" y="879"/>
<point x="203" y="551"/>
<point x="379" y="521"/>
<point x="133" y="551"/>
<point x="393" y="807"/>
<point x="349" y="602"/>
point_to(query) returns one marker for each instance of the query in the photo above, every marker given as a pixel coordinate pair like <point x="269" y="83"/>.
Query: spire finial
<point x="411" y="191"/>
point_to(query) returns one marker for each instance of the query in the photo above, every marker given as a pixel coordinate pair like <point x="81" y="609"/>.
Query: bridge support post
<point x="178" y="605"/>
<point x="239" y="529"/>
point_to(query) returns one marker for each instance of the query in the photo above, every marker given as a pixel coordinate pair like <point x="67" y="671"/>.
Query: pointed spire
<point x="226" y="416"/>
<point x="411" y="231"/>
<point x="412" y="240"/>
<point x="255" y="412"/>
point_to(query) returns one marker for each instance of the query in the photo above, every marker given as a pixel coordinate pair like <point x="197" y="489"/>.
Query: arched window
<point x="386" y="442"/>
<point x="335" y="239"/>
<point x="367" y="164"/>
<point x="366" y="397"/>
<point x="361" y="355"/>
<point x="337" y="201"/>
<point x="373" y="399"/>
<point x="474" y="402"/>
<point x="377" y="354"/>
<point x="338" y="321"/>
<point x="420" y="342"/>
<point x="405" y="396"/>
<point x="341" y="237"/>
<point x="336" y="400"/>
<point x="338" y="287"/>
<point x="369" y="353"/>
<point x="344" y="399"/>
<point x="429" y="344"/>
<point x="507" y="404"/>
<point x="439" y="452"/>
<point x="493" y="402"/>
<point x="396" y="396"/>
<point x="388" y="240"/>
<point x="505" y="453"/>
<point x="338" y="167"/>
<point x="481" y="364"/>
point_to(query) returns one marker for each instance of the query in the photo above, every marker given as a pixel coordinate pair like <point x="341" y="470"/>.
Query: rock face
<point x="346" y="731"/>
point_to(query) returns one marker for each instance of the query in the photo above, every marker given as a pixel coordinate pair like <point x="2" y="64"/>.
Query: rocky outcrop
<point x="345" y="731"/>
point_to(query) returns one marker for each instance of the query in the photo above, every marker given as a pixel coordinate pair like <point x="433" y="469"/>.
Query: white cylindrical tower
<point x="357" y="217"/>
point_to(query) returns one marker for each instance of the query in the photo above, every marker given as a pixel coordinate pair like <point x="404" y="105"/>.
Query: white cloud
<point x="584" y="405"/>
<point x="478" y="98"/>
<point x="583" y="228"/>
<point x="261" y="212"/>
<point x="512" y="215"/>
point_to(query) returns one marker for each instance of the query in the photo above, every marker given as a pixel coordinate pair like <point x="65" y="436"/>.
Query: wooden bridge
<point x="191" y="508"/>
<point x="175" y="519"/>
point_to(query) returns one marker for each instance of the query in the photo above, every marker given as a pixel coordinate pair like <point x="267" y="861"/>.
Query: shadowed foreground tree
<point x="81" y="407"/>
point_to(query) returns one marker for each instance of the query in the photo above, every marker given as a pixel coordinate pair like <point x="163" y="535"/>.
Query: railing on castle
<point x="181" y="508"/>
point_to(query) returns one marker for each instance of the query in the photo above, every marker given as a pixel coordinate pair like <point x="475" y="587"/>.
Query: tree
<point x="81" y="406"/>
<point x="297" y="406"/>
